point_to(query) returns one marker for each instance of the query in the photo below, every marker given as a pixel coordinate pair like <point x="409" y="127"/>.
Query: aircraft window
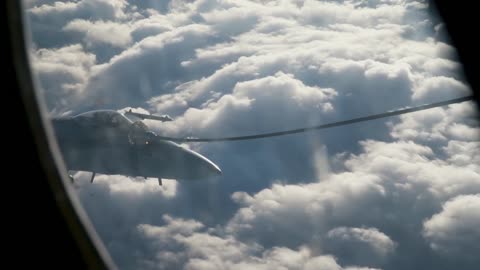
<point x="303" y="134"/>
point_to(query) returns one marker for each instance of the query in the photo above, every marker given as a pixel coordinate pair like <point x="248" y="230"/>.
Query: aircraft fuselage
<point x="110" y="149"/>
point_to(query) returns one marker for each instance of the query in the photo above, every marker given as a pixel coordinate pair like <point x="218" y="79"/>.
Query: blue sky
<point x="398" y="193"/>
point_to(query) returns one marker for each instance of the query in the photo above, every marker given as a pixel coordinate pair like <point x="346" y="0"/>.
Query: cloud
<point x="153" y="25"/>
<point x="463" y="153"/>
<point x="158" y="58"/>
<point x="276" y="210"/>
<point x="287" y="101"/>
<point x="440" y="125"/>
<point x="111" y="33"/>
<point x="386" y="185"/>
<point x="380" y="243"/>
<point x="455" y="230"/>
<point x="330" y="12"/>
<point x="365" y="243"/>
<point x="61" y="73"/>
<point x="47" y="20"/>
<point x="84" y="8"/>
<point x="186" y="244"/>
<point x="309" y="54"/>
<point x="117" y="204"/>
<point x="441" y="88"/>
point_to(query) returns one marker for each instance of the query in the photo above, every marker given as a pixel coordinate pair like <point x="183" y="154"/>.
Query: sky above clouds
<point x="397" y="193"/>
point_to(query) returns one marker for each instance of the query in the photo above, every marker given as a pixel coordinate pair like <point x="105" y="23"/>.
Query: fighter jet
<point x="108" y="142"/>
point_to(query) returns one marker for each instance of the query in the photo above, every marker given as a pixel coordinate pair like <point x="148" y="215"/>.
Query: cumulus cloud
<point x="330" y="12"/>
<point x="382" y="194"/>
<point x="250" y="103"/>
<point x="61" y="73"/>
<point x="117" y="204"/>
<point x="49" y="21"/>
<point x="186" y="244"/>
<point x="104" y="32"/>
<point x="456" y="229"/>
<point x="387" y="185"/>
<point x="439" y="125"/>
<point x="333" y="54"/>
<point x="84" y="8"/>
<point x="364" y="243"/>
<point x="440" y="87"/>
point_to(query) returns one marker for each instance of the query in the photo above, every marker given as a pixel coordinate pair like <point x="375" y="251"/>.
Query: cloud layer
<point x="400" y="193"/>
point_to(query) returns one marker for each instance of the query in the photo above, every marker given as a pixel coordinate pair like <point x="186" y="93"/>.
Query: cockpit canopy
<point x="114" y="126"/>
<point x="104" y="118"/>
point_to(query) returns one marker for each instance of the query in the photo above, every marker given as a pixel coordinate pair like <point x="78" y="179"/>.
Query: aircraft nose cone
<point x="205" y="167"/>
<point x="192" y="165"/>
<point x="216" y="170"/>
<point x="182" y="163"/>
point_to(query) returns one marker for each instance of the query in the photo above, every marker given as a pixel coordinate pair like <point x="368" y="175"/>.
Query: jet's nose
<point x="174" y="161"/>
<point x="215" y="169"/>
<point x="203" y="166"/>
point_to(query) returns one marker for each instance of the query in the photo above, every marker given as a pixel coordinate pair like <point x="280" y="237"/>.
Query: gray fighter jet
<point x="108" y="142"/>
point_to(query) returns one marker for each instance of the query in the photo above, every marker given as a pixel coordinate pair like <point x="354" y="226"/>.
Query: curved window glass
<point x="276" y="134"/>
